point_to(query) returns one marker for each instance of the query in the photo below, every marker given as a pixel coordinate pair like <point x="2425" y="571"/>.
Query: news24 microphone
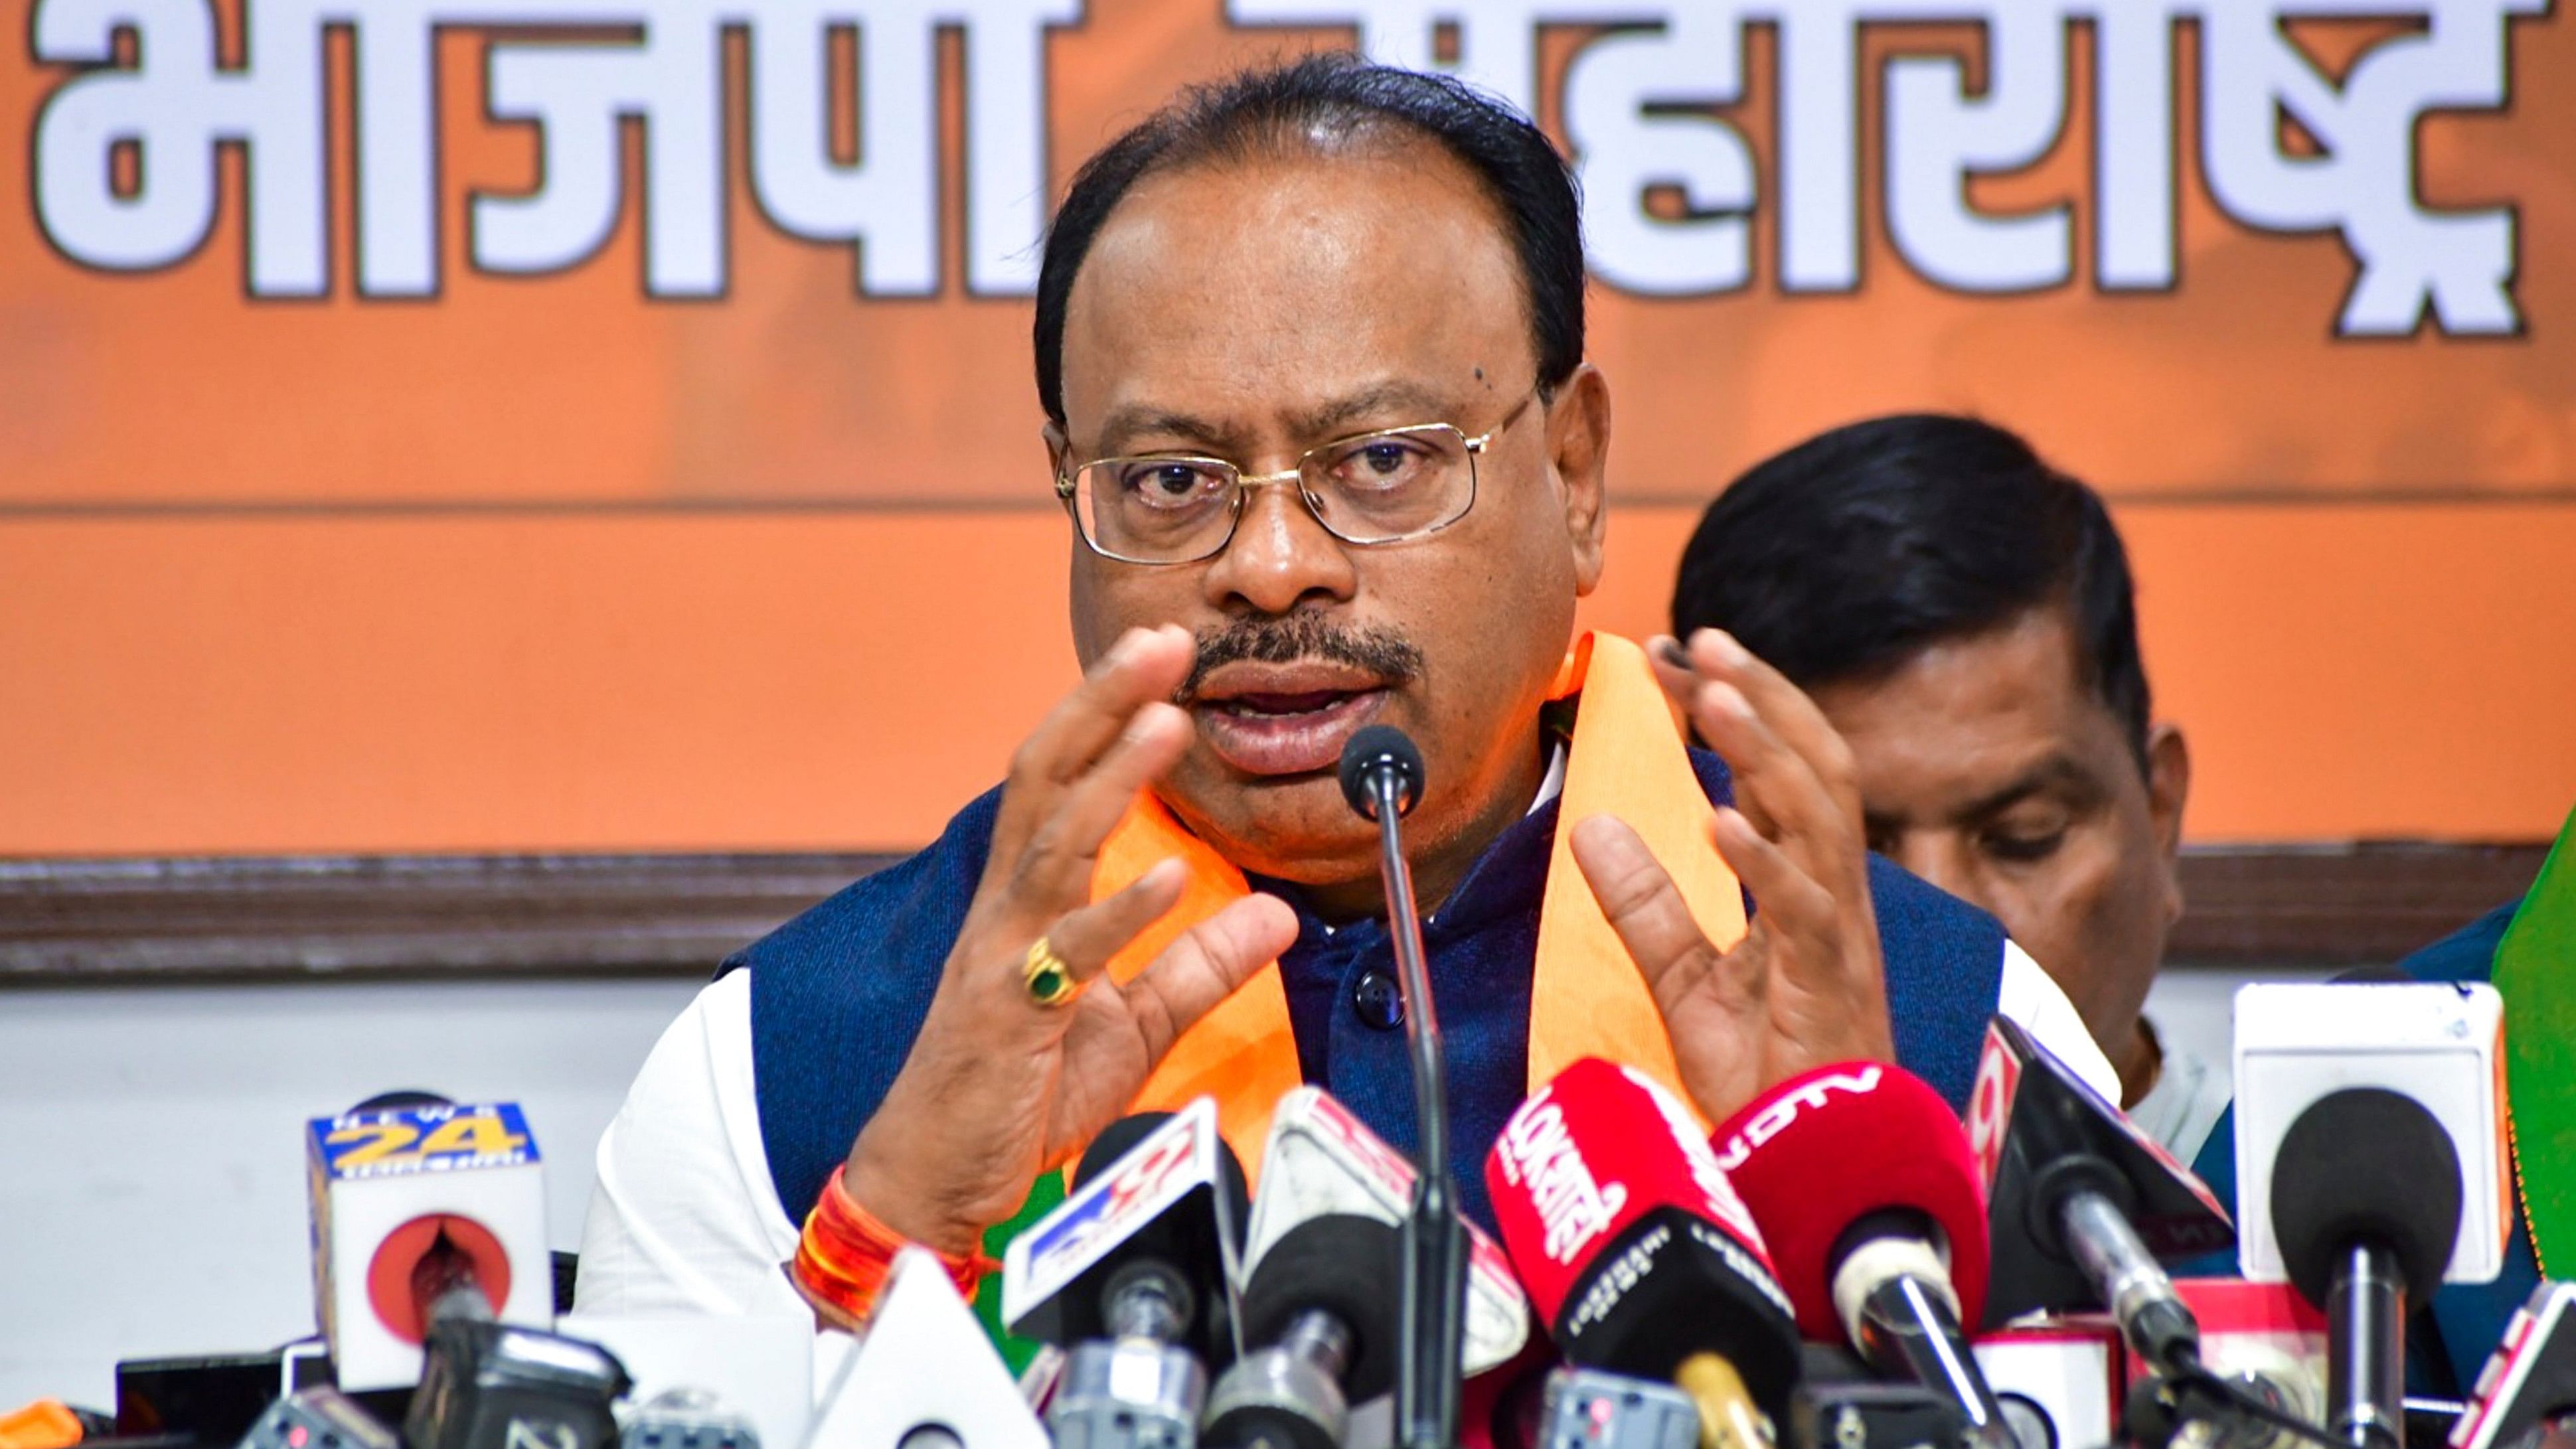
<point x="1382" y="778"/>
<point x="1637" y="1252"/>
<point x="1321" y="1305"/>
<point x="1131" y="1274"/>
<point x="1868" y="1196"/>
<point x="2372" y="1167"/>
<point x="420" y="1203"/>
<point x="1320" y="1159"/>
<point x="2083" y="1205"/>
<point x="486" y="1383"/>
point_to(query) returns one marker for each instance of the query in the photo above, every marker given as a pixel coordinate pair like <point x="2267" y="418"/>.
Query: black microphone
<point x="2366" y="1203"/>
<point x="1382" y="779"/>
<point x="1318" y="1306"/>
<point x="2083" y="1204"/>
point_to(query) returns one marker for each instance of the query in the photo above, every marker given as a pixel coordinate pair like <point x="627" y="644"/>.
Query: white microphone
<point x="924" y="1374"/>
<point x="433" y="1198"/>
<point x="2371" y="1166"/>
<point x="1321" y="1159"/>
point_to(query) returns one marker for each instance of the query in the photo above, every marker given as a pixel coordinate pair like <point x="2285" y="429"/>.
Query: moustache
<point x="1380" y="651"/>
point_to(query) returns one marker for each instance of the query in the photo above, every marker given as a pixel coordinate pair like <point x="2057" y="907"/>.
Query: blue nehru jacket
<point x="837" y="994"/>
<point x="2449" y="1340"/>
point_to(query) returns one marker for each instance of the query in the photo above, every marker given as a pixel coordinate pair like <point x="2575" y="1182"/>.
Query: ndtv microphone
<point x="1869" y="1197"/>
<point x="1638" y="1254"/>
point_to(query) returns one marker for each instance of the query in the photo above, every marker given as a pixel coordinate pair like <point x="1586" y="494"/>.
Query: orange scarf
<point x="1587" y="998"/>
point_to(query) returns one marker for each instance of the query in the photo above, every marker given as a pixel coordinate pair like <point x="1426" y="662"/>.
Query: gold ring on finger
<point x="1048" y="976"/>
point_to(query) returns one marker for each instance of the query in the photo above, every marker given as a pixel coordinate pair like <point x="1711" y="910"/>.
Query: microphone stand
<point x="2366" y="1341"/>
<point x="1432" y="1308"/>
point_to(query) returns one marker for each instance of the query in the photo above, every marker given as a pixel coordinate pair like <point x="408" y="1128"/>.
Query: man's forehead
<point x="1297" y="293"/>
<point x="1967" y="721"/>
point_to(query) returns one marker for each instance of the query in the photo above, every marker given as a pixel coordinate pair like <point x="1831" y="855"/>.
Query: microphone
<point x="2530" y="1379"/>
<point x="2083" y="1205"/>
<point x="924" y="1375"/>
<point x="1637" y="1252"/>
<point x="423" y="1210"/>
<point x="1382" y="778"/>
<point x="1582" y="1408"/>
<point x="1322" y="1159"/>
<point x="1319" y="1303"/>
<point x="318" y="1416"/>
<point x="491" y="1385"/>
<point x="2371" y="1165"/>
<point x="1868" y="1196"/>
<point x="1130" y="1272"/>
<point x="2365" y="1205"/>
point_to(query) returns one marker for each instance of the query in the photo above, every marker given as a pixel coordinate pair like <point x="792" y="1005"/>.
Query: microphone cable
<point x="2187" y="1377"/>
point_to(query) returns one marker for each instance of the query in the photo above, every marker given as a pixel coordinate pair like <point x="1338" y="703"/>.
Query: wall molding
<point x="265" y="918"/>
<point x="262" y="918"/>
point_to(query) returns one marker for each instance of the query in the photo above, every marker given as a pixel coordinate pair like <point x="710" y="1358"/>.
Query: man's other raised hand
<point x="1807" y="985"/>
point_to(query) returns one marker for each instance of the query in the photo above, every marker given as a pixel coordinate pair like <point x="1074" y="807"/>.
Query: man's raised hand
<point x="1806" y="986"/>
<point x="999" y="1088"/>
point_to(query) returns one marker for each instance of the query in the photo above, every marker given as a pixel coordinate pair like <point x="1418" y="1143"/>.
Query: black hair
<point x="1324" y="99"/>
<point x="1852" y="552"/>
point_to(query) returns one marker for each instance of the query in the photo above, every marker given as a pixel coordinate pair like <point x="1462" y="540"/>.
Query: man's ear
<point x="1578" y="447"/>
<point x="1057" y="448"/>
<point x="2168" y="786"/>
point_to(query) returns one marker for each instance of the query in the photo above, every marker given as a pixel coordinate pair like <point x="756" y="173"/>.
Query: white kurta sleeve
<point x="2033" y="999"/>
<point x="683" y="1216"/>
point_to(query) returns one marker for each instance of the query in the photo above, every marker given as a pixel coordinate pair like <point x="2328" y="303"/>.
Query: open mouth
<point x="1283" y="726"/>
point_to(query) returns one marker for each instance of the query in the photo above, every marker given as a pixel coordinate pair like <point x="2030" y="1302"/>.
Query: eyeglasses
<point x="1382" y="487"/>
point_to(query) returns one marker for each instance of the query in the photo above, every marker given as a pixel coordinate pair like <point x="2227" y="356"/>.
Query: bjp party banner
<point x="496" y="424"/>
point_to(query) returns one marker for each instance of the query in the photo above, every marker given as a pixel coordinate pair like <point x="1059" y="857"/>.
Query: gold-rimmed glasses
<point x="1385" y="486"/>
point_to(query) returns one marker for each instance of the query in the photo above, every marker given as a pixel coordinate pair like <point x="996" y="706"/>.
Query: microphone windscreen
<point x="1634" y="1248"/>
<point x="1821" y="1151"/>
<point x="1346" y="1265"/>
<point x="2366" y="1163"/>
<point x="1116" y="1138"/>
<point x="1378" y="747"/>
<point x="1113" y="1142"/>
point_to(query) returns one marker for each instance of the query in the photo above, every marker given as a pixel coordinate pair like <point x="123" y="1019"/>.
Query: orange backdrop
<point x="565" y="559"/>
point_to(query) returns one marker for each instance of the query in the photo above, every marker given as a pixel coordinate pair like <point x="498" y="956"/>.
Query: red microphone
<point x="1637" y="1252"/>
<point x="1869" y="1194"/>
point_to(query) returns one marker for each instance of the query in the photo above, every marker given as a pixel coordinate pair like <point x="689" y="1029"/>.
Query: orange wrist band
<point x="844" y="1256"/>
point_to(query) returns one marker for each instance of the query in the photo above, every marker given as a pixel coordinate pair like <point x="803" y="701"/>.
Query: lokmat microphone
<point x="1637" y="1252"/>
<point x="1868" y="1195"/>
<point x="1382" y="778"/>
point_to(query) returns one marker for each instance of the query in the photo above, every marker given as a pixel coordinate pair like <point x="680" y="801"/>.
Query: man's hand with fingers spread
<point x="1806" y="986"/>
<point x="998" y="1088"/>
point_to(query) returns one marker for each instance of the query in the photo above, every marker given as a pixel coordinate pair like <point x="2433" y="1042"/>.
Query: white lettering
<point x="1938" y="135"/>
<point x="1783" y="1109"/>
<point x="125" y="145"/>
<point x="1573" y="1207"/>
<point x="2460" y="264"/>
<point x="171" y="106"/>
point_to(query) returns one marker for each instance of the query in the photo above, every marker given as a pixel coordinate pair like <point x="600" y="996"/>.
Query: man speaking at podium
<point x="1309" y="345"/>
